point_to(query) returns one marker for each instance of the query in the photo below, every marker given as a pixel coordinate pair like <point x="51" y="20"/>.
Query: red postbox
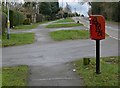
<point x="97" y="27"/>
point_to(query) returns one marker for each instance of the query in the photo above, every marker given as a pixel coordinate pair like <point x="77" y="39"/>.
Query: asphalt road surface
<point x="50" y="61"/>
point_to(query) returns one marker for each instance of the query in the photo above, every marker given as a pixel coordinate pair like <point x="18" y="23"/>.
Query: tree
<point x="30" y="11"/>
<point x="49" y="9"/>
<point x="110" y="10"/>
<point x="55" y="8"/>
<point x="45" y="8"/>
<point x="60" y="12"/>
<point x="67" y="9"/>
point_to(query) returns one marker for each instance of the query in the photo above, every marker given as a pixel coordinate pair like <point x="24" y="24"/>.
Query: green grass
<point x="69" y="34"/>
<point x="63" y="25"/>
<point x="65" y="20"/>
<point x="15" y="76"/>
<point x="1" y="41"/>
<point x="0" y="45"/>
<point x="28" y="27"/>
<point x="18" y="39"/>
<point x="108" y="76"/>
<point x="0" y="78"/>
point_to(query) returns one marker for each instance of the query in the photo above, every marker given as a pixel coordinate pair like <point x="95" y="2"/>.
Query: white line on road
<point x="113" y="37"/>
<point x="44" y="79"/>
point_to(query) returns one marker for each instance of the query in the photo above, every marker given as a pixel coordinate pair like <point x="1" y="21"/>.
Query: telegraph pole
<point x="8" y="23"/>
<point x="62" y="3"/>
<point x="75" y="11"/>
<point x="62" y="9"/>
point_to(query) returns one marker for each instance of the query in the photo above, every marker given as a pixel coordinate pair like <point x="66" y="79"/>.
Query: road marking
<point x="49" y="79"/>
<point x="113" y="37"/>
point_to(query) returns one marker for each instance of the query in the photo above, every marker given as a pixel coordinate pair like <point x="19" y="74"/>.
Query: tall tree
<point x="45" y="8"/>
<point x="110" y="10"/>
<point x="54" y="7"/>
<point x="49" y="9"/>
<point x="67" y="9"/>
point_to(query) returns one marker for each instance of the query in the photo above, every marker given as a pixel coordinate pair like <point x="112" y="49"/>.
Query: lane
<point x="49" y="54"/>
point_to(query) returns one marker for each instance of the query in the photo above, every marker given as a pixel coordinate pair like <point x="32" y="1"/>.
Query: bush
<point x="86" y="61"/>
<point x="26" y="21"/>
<point x="54" y="17"/>
<point x="39" y="18"/>
<point x="29" y="16"/>
<point x="47" y="17"/>
<point x="16" y="18"/>
<point x="4" y="22"/>
<point x="65" y="15"/>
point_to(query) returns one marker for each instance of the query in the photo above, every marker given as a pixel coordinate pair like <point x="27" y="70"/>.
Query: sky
<point x="82" y="9"/>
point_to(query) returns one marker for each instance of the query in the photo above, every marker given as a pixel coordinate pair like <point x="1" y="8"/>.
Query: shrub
<point x="47" y="17"/>
<point x="86" y="61"/>
<point x="4" y="22"/>
<point x="29" y="16"/>
<point x="53" y="17"/>
<point x="65" y="15"/>
<point x="39" y="18"/>
<point x="16" y="18"/>
<point x="26" y="21"/>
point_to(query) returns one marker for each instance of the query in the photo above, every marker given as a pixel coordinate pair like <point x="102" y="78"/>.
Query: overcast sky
<point x="82" y="9"/>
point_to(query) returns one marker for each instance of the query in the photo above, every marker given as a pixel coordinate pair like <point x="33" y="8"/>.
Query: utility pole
<point x="8" y="23"/>
<point x="62" y="3"/>
<point x="75" y="12"/>
<point x="62" y="9"/>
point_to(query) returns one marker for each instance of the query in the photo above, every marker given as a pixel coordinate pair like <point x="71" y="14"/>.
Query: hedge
<point x="16" y="18"/>
<point x="27" y="21"/>
<point x="4" y="22"/>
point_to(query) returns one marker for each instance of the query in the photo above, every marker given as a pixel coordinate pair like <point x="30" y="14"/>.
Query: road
<point x="50" y="61"/>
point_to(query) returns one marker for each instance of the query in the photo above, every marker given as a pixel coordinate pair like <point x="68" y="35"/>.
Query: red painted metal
<point x="97" y="27"/>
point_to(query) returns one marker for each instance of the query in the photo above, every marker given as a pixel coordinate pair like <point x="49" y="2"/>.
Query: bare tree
<point x="82" y="2"/>
<point x="67" y="9"/>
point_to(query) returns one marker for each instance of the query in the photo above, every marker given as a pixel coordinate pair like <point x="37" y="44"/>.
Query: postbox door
<point x="97" y="27"/>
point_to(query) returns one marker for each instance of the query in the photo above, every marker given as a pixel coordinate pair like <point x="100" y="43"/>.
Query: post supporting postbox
<point x="97" y="56"/>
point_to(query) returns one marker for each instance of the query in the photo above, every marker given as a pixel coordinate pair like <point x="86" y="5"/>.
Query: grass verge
<point x="63" y="25"/>
<point x="69" y="35"/>
<point x="108" y="76"/>
<point x="15" y="76"/>
<point x="0" y="77"/>
<point x="18" y="39"/>
<point x="0" y="45"/>
<point x="65" y="20"/>
<point x="28" y="27"/>
<point x="0" y="41"/>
